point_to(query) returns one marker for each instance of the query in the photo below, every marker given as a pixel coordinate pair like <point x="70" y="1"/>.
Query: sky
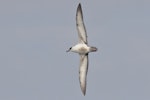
<point x="34" y="37"/>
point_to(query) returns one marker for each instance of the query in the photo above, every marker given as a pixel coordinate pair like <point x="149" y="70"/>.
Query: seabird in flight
<point x="82" y="48"/>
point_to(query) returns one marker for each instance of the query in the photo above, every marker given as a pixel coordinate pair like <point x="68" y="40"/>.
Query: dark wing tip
<point x="83" y="90"/>
<point x="79" y="11"/>
<point x="79" y="7"/>
<point x="83" y="87"/>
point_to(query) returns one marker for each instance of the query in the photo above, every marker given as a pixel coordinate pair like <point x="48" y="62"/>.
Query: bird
<point x="82" y="48"/>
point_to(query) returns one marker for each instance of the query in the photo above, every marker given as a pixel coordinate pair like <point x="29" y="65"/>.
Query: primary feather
<point x="80" y="25"/>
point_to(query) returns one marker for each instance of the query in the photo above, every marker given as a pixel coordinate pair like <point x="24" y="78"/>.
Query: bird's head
<point x="69" y="49"/>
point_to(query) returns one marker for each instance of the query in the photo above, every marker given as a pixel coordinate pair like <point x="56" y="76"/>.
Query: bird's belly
<point x="82" y="50"/>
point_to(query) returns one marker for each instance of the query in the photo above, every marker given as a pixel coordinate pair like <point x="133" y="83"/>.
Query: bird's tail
<point x="93" y="49"/>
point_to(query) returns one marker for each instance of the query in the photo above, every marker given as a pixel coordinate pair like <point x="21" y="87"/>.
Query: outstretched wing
<point x="80" y="25"/>
<point x="83" y="72"/>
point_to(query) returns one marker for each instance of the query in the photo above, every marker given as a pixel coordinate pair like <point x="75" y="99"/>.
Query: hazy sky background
<point x="34" y="35"/>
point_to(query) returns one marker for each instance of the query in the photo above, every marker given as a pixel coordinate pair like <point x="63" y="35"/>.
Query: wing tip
<point x="83" y="89"/>
<point x="79" y="7"/>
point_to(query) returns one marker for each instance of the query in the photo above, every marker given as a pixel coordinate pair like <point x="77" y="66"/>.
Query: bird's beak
<point x="68" y="50"/>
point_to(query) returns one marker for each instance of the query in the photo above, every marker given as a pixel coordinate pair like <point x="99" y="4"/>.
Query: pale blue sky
<point x="34" y="35"/>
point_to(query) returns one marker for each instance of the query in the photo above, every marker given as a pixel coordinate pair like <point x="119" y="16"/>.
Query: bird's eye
<point x="70" y="48"/>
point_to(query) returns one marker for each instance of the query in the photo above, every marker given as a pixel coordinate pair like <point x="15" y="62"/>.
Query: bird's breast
<point x="81" y="49"/>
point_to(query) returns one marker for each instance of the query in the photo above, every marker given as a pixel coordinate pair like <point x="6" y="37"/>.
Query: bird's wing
<point x="83" y="72"/>
<point x="80" y="25"/>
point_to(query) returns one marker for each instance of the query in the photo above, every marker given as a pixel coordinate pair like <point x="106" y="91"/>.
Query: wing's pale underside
<point x="80" y="26"/>
<point x="83" y="72"/>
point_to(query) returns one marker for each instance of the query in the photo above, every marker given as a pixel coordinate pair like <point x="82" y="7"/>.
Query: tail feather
<point x="93" y="49"/>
